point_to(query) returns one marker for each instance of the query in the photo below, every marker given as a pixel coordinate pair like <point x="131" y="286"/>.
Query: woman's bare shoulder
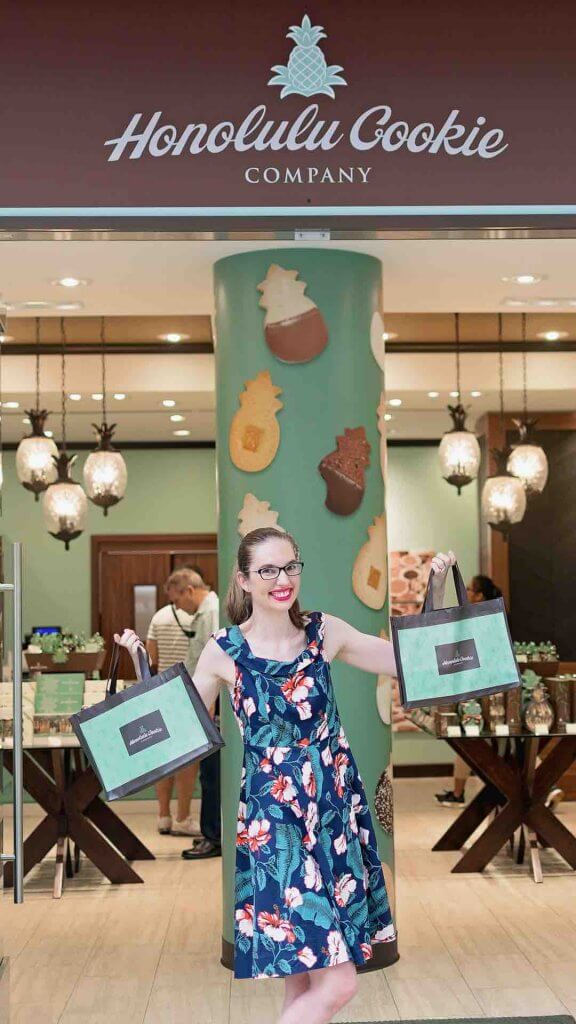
<point x="217" y="662"/>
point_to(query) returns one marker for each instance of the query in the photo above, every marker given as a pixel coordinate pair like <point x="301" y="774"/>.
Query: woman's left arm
<point x="373" y="653"/>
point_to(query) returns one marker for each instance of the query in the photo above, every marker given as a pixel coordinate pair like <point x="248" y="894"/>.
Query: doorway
<point x="128" y="577"/>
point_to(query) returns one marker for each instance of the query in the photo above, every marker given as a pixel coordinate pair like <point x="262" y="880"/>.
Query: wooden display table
<point x="60" y="780"/>
<point x="516" y="788"/>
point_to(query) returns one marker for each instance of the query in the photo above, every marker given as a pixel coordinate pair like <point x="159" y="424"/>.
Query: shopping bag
<point x="453" y="654"/>
<point x="147" y="731"/>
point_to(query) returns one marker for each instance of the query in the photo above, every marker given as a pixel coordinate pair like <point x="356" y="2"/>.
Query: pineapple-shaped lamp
<point x="307" y="73"/>
<point x="105" y="473"/>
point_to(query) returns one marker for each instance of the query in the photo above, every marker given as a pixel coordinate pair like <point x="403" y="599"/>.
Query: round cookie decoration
<point x="294" y="327"/>
<point x="377" y="343"/>
<point x="254" y="431"/>
<point x="370" y="572"/>
<point x="343" y="471"/>
<point x="256" y="514"/>
<point x="384" y="801"/>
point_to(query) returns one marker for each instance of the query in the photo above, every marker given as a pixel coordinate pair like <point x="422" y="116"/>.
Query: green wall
<point x="169" y="491"/>
<point x="425" y="513"/>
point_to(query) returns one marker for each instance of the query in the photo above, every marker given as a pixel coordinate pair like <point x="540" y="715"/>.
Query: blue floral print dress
<point x="309" y="886"/>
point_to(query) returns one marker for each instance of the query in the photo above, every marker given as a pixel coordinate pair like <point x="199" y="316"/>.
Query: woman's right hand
<point x="132" y="642"/>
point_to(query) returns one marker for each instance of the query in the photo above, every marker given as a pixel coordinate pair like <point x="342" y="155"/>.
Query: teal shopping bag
<point x="138" y="736"/>
<point x="453" y="654"/>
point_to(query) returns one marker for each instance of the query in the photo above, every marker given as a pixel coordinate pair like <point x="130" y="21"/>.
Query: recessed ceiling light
<point x="26" y="421"/>
<point x="476" y="394"/>
<point x="552" y="335"/>
<point x="74" y="397"/>
<point x="524" y="278"/>
<point x="69" y="307"/>
<point x="388" y="416"/>
<point x="454" y="394"/>
<point x="181" y="433"/>
<point x="97" y="396"/>
<point x="36" y="304"/>
<point x="11" y="405"/>
<point x="168" y="403"/>
<point x="433" y="394"/>
<point x="49" y="433"/>
<point x="177" y="418"/>
<point x="173" y="337"/>
<point x="119" y="396"/>
<point x="547" y="302"/>
<point x="6" y="337"/>
<point x="514" y="303"/>
<point x="395" y="401"/>
<point x="388" y="335"/>
<point x="71" y="282"/>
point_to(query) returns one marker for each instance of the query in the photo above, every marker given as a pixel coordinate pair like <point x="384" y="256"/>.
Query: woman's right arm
<point x="213" y="669"/>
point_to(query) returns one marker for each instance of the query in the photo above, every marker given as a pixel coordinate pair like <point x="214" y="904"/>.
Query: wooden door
<point x="122" y="563"/>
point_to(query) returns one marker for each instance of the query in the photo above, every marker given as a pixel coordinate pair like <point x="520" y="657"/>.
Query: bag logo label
<point x="457" y="657"/>
<point x="144" y="732"/>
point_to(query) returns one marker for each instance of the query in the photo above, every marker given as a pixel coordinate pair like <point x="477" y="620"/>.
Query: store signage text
<point x="375" y="129"/>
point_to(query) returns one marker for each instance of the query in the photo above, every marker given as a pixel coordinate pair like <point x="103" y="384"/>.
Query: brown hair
<point x="238" y="602"/>
<point x="181" y="579"/>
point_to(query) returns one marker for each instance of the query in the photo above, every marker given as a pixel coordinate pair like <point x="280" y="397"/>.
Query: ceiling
<point x="171" y="281"/>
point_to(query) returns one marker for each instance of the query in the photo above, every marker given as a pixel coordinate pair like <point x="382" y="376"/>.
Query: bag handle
<point x="459" y="584"/>
<point x="113" y="670"/>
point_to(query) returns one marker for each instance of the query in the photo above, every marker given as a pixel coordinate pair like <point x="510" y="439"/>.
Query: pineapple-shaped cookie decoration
<point x="254" y="431"/>
<point x="370" y="572"/>
<point x="255" y="514"/>
<point x="307" y="73"/>
<point x="294" y="327"/>
<point x="343" y="471"/>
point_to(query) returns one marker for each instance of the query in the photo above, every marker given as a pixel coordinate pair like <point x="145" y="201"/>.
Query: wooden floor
<point x="471" y="946"/>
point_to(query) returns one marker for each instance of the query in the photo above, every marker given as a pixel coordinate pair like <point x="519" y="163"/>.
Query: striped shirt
<point x="172" y="643"/>
<point x="205" y="622"/>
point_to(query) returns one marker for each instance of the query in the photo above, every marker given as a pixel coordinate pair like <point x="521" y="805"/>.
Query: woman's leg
<point x="185" y="782"/>
<point x="329" y="989"/>
<point x="294" y="986"/>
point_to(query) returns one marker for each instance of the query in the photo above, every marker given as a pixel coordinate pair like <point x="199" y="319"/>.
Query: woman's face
<point x="473" y="595"/>
<point x="279" y="593"/>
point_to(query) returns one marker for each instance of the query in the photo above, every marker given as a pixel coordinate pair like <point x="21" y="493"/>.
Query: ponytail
<point x="238" y="602"/>
<point x="485" y="586"/>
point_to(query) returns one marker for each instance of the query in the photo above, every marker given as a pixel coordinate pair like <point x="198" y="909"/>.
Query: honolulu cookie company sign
<point x="307" y="74"/>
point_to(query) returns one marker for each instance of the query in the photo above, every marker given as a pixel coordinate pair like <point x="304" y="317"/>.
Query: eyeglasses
<point x="272" y="572"/>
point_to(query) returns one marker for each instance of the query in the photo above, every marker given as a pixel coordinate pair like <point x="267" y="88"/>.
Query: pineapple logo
<point x="307" y="73"/>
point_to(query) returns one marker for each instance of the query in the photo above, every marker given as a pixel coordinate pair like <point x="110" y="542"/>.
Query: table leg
<point x="59" y="871"/>
<point x="468" y="821"/>
<point x="492" y="839"/>
<point x="116" y="831"/>
<point x="528" y="774"/>
<point x="100" y="851"/>
<point x="545" y="823"/>
<point x="36" y="846"/>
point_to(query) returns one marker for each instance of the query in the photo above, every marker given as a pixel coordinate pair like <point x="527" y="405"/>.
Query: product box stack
<point x="7" y="710"/>
<point x="57" y="697"/>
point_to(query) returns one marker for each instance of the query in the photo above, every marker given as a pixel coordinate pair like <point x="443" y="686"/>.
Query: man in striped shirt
<point x="178" y="632"/>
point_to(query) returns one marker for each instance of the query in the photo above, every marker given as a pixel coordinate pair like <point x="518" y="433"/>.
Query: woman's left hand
<point x="441" y="564"/>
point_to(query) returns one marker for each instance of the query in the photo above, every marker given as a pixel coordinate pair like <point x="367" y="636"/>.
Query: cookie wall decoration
<point x="294" y="327"/>
<point x="384" y="801"/>
<point x="254" y="431"/>
<point x="370" y="572"/>
<point x="382" y="431"/>
<point x="255" y="514"/>
<point x="377" y="343"/>
<point x="343" y="471"/>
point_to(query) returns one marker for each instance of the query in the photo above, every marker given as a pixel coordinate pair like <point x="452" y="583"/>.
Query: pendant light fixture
<point x="105" y="473"/>
<point x="64" y="502"/>
<point x="503" y="501"/>
<point x="527" y="461"/>
<point x="459" y="451"/>
<point x="35" y="466"/>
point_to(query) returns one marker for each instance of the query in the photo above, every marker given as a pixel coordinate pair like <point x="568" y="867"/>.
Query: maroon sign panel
<point x="249" y="106"/>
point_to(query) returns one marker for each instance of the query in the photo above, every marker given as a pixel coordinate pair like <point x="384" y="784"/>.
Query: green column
<point x="324" y="315"/>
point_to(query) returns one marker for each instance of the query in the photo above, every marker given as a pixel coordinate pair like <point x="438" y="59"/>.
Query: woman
<point x="480" y="588"/>
<point x="310" y="894"/>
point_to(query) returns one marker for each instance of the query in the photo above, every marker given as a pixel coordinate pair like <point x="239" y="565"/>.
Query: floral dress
<point x="309" y="886"/>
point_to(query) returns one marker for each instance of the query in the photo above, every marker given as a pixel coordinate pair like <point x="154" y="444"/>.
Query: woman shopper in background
<point x="310" y="894"/>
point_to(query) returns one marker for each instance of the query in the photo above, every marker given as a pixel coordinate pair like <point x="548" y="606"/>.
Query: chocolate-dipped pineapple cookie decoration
<point x="294" y="327"/>
<point x="254" y="431"/>
<point x="343" y="471"/>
